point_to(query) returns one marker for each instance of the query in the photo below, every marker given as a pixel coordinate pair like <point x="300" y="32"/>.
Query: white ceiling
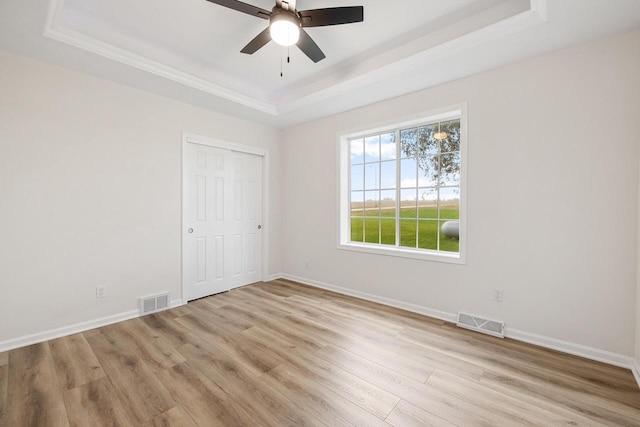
<point x="190" y="49"/>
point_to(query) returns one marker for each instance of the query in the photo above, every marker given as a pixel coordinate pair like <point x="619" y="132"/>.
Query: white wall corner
<point x="176" y="303"/>
<point x="636" y="371"/>
<point x="276" y="276"/>
<point x="539" y="340"/>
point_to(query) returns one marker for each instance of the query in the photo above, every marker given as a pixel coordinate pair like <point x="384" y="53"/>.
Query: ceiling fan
<point x="286" y="24"/>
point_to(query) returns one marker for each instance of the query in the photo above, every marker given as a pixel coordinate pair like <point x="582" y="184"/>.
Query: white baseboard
<point x="271" y="277"/>
<point x="73" y="329"/>
<point x="442" y="315"/>
<point x="539" y="340"/>
<point x="636" y="370"/>
<point x="572" y="348"/>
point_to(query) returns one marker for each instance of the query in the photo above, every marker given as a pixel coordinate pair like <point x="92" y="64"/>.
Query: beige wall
<point x="90" y="194"/>
<point x="552" y="200"/>
<point x="637" y="359"/>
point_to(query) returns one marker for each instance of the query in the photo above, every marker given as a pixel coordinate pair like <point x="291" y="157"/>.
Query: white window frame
<point x="344" y="211"/>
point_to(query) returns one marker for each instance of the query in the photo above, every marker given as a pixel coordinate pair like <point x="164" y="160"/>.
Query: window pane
<point x="357" y="151"/>
<point x="357" y="177"/>
<point x="428" y="171"/>
<point x="356" y="229"/>
<point x="428" y="145"/>
<point x="408" y="173"/>
<point x="388" y="203"/>
<point x="388" y="174"/>
<point x="357" y="203"/>
<point x="428" y="203"/>
<point x="388" y="146"/>
<point x="372" y="230"/>
<point x="428" y="234"/>
<point x="408" y="233"/>
<point x="452" y="141"/>
<point x="450" y="203"/>
<point x="404" y="187"/>
<point x="408" y="205"/>
<point x="408" y="141"/>
<point x="372" y="203"/>
<point x="372" y="176"/>
<point x="388" y="231"/>
<point x="449" y="236"/>
<point x="372" y="149"/>
<point x="450" y="169"/>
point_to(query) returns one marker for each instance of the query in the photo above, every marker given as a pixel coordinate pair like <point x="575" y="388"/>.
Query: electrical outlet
<point x="101" y="291"/>
<point x="306" y="265"/>
<point x="498" y="295"/>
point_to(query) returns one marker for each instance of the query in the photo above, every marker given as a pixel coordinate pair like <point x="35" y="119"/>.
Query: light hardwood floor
<point x="280" y="354"/>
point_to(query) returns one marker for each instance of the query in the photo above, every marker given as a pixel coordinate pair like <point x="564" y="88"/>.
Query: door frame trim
<point x="191" y="138"/>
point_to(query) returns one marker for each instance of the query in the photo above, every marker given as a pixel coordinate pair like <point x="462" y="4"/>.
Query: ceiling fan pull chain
<point x="288" y="55"/>
<point x="281" y="73"/>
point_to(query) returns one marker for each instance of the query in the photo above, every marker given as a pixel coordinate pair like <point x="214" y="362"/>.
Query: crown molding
<point x="73" y="38"/>
<point x="498" y="21"/>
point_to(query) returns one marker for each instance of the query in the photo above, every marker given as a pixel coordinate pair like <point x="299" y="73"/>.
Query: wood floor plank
<point x="92" y="332"/>
<point x="409" y="415"/>
<point x="423" y="395"/>
<point x="156" y="351"/>
<point x="592" y="371"/>
<point x="180" y="311"/>
<point x="424" y="355"/>
<point x="4" y="358"/>
<point x="174" y="417"/>
<point x="519" y="412"/>
<point x="401" y="363"/>
<point x="374" y="399"/>
<point x="285" y="354"/>
<point x="600" y="411"/>
<point x="318" y="400"/>
<point x="165" y="324"/>
<point x="329" y="308"/>
<point x="74" y="361"/>
<point x="525" y="365"/>
<point x="33" y="394"/>
<point x="264" y="404"/>
<point x="141" y="393"/>
<point x="4" y="380"/>
<point x="256" y="358"/>
<point x="280" y="326"/>
<point x="260" y="300"/>
<point x="205" y="401"/>
<point x="95" y="404"/>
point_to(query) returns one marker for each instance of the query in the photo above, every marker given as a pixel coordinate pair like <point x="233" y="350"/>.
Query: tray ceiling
<point x="190" y="49"/>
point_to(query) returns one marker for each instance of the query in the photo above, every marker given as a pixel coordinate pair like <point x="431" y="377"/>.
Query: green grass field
<point x="419" y="227"/>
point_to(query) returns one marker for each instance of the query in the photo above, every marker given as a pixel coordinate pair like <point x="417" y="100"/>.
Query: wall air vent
<point x="479" y="324"/>
<point x="154" y="303"/>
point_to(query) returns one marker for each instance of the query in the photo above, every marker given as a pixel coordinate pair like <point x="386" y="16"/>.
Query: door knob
<point x="259" y="227"/>
<point x="190" y="230"/>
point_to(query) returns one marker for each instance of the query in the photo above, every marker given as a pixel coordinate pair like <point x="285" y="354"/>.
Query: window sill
<point x="425" y="255"/>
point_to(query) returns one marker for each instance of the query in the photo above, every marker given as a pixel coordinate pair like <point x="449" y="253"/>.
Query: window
<point x="401" y="189"/>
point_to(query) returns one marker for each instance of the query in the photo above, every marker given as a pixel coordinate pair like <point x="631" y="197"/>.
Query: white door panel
<point x="223" y="200"/>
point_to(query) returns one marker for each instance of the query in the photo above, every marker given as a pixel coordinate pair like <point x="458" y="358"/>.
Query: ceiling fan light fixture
<point x="284" y="28"/>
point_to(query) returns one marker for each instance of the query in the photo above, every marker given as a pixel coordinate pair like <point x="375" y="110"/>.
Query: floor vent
<point x="154" y="303"/>
<point x="486" y="326"/>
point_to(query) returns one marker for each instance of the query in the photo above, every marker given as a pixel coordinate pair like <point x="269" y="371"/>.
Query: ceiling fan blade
<point x="309" y="47"/>
<point x="243" y="7"/>
<point x="331" y="16"/>
<point x="257" y="42"/>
